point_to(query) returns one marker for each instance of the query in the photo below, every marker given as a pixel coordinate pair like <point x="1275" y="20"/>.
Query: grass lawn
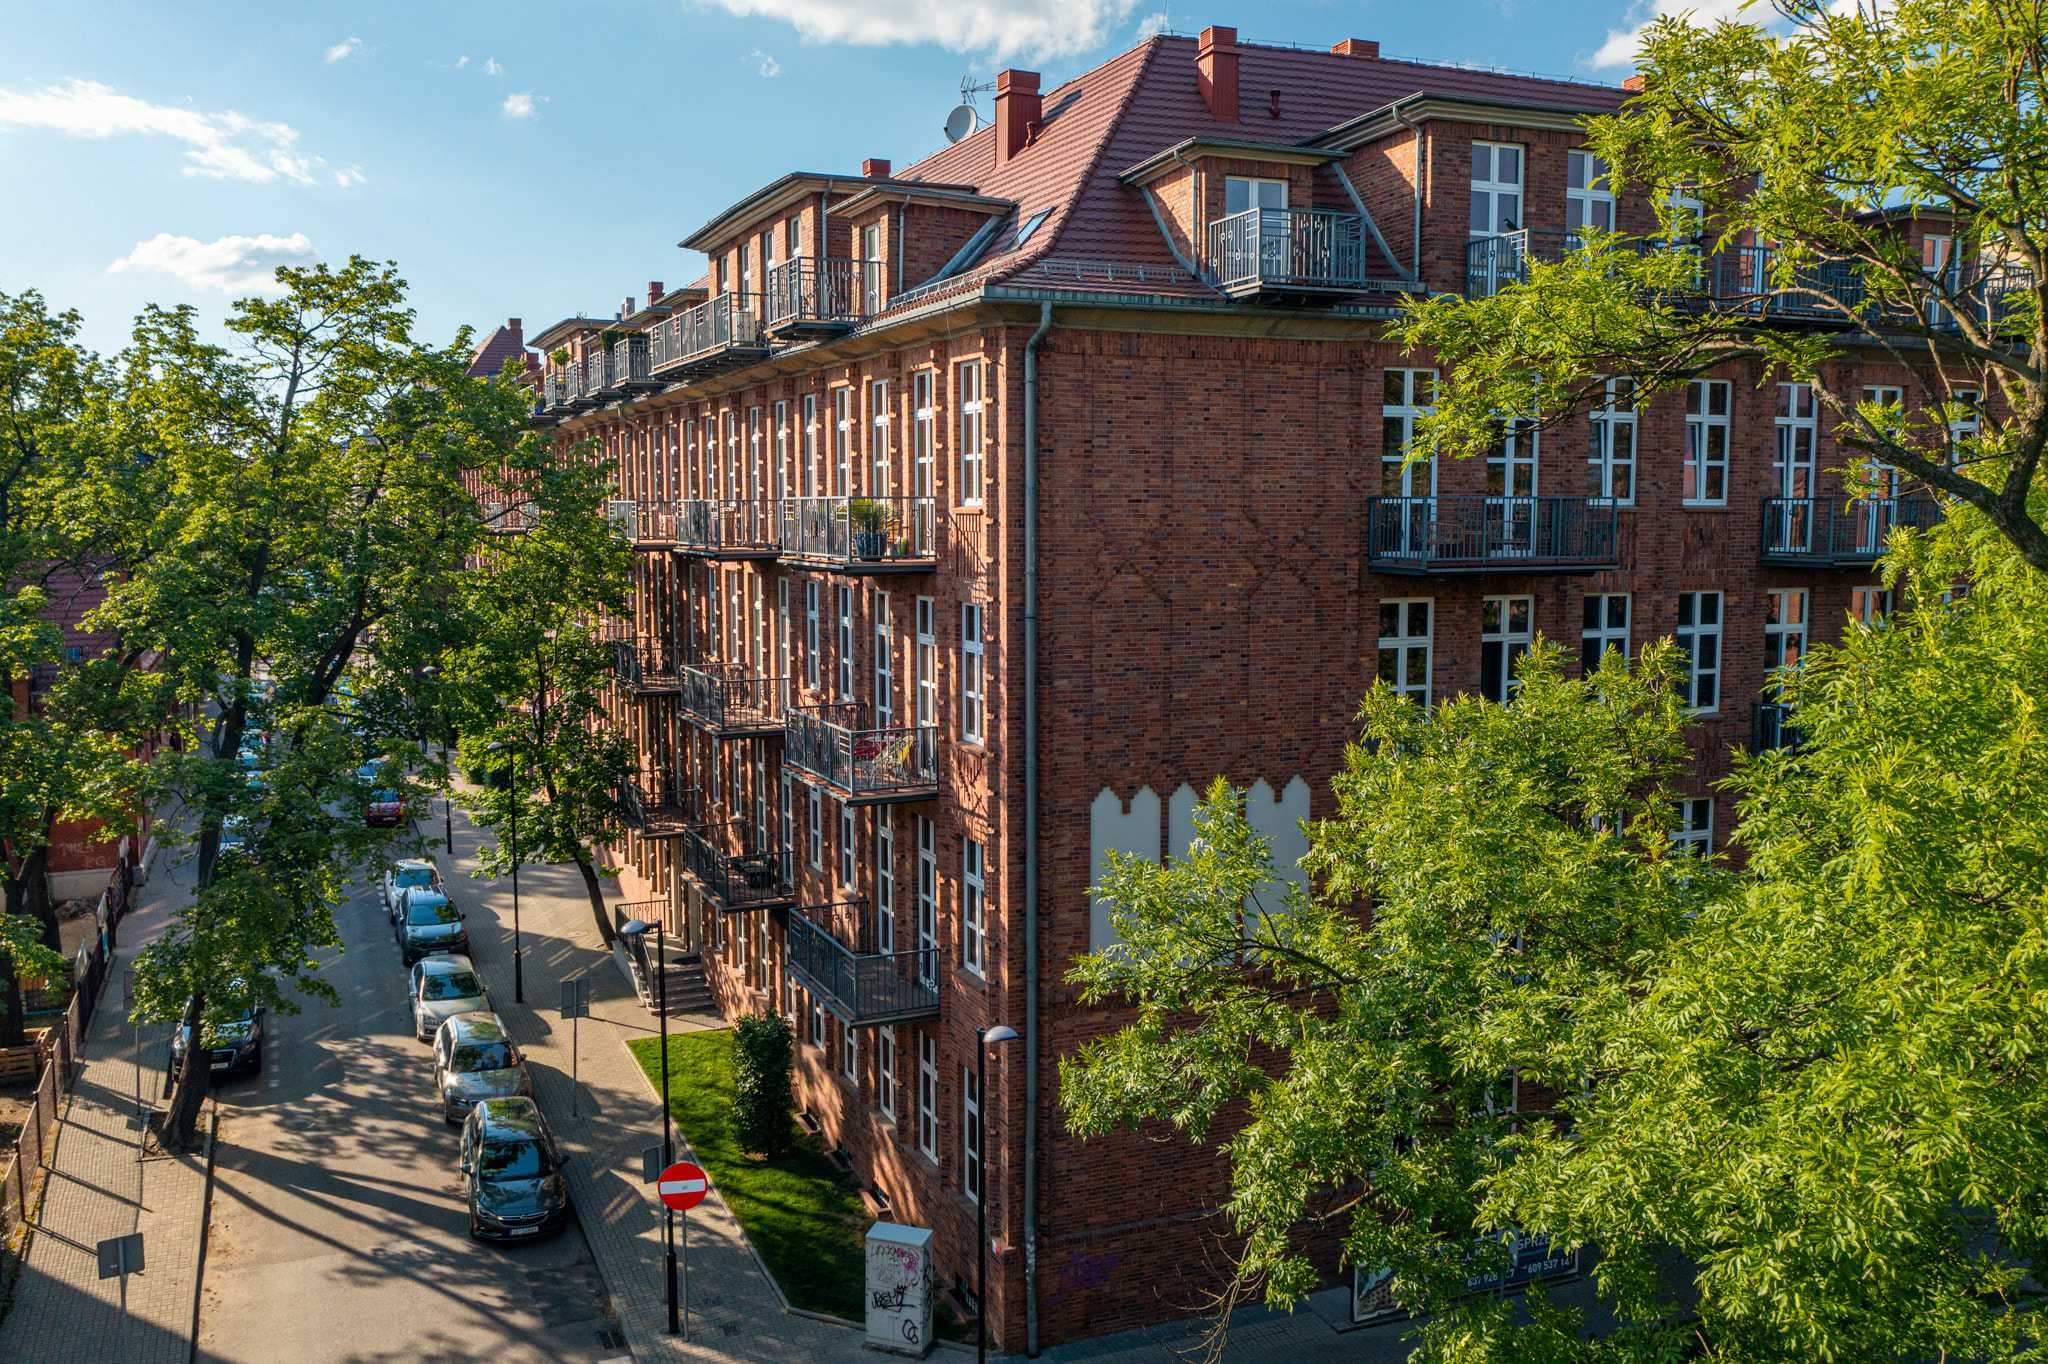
<point x="808" y="1226"/>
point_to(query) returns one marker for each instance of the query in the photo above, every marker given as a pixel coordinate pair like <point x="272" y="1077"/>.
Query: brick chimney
<point x="654" y="292"/>
<point x="1017" y="109"/>
<point x="512" y="325"/>
<point x="1356" y="47"/>
<point x="1634" y="84"/>
<point x="1216" y="71"/>
<point x="875" y="168"/>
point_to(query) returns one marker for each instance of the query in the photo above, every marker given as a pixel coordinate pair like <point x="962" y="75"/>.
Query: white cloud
<point x="1622" y="44"/>
<point x="343" y="50"/>
<point x="491" y="67"/>
<point x="222" y="146"/>
<point x="462" y="61"/>
<point x="232" y="265"/>
<point x="521" y="105"/>
<point x="348" y="177"/>
<point x="997" y="29"/>
<point x="766" y="64"/>
<point x="1158" y="21"/>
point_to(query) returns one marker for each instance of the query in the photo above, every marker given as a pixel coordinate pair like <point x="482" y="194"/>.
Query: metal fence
<point x="752" y="878"/>
<point x="838" y="744"/>
<point x="1459" y="532"/>
<point x="861" y="987"/>
<point x="1289" y="247"/>
<point x="1812" y="530"/>
<point x="735" y="525"/>
<point x="852" y="531"/>
<point x="727" y="697"/>
<point x="810" y="290"/>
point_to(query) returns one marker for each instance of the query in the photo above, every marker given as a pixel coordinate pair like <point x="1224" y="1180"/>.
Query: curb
<point x="205" y="1223"/>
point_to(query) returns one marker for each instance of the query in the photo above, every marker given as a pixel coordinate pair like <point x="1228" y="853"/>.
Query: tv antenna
<point x="966" y="118"/>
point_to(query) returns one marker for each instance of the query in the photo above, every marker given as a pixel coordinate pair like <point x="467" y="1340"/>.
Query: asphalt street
<point x="338" y="1227"/>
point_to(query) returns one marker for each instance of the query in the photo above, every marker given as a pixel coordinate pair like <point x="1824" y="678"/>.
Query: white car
<point x="405" y="874"/>
<point x="441" y="987"/>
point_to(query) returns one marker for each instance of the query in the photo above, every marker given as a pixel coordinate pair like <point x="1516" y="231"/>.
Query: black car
<point x="234" y="1047"/>
<point x="512" y="1172"/>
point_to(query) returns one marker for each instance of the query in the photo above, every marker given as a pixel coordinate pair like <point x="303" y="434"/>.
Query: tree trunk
<point x="596" y="893"/>
<point x="36" y="893"/>
<point x="13" y="1029"/>
<point x="181" y="1124"/>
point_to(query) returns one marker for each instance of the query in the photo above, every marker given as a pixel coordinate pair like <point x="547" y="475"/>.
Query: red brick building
<point x="989" y="508"/>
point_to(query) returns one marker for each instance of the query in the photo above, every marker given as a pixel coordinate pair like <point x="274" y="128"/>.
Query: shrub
<point x="762" y="1055"/>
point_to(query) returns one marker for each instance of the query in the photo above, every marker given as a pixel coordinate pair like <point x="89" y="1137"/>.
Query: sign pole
<point x="575" y="1030"/>
<point x="681" y="1187"/>
<point x="686" y="1276"/>
<point x="668" y="1218"/>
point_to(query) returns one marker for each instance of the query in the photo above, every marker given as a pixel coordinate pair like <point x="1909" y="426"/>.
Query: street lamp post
<point x="518" y="956"/>
<point x="448" y="770"/>
<point x="984" y="1038"/>
<point x="636" y="929"/>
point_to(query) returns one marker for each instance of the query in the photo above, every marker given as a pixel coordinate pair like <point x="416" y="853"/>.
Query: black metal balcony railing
<point x="1288" y="248"/>
<point x="1811" y="531"/>
<point x="739" y="528"/>
<point x="838" y="745"/>
<point x="723" y="329"/>
<point x="812" y="292"/>
<point x="645" y="665"/>
<point x="657" y="806"/>
<point x="731" y="701"/>
<point x="624" y="514"/>
<point x="1771" y="727"/>
<point x="862" y="534"/>
<point x="598" y="381"/>
<point x="861" y="988"/>
<point x="752" y="878"/>
<point x="1466" y="534"/>
<point x="654" y="524"/>
<point x="628" y="362"/>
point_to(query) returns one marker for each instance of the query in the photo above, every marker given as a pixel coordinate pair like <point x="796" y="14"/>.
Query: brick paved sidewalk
<point x="62" y="1309"/>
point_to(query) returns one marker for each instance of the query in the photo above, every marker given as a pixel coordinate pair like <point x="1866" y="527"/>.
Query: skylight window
<point x="1031" y="225"/>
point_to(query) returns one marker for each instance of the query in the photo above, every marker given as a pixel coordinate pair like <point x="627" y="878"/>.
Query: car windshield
<point x="515" y="1158"/>
<point x="481" y="1055"/>
<point x="384" y="797"/>
<point x="413" y="876"/>
<point x="429" y="909"/>
<point x="452" y="985"/>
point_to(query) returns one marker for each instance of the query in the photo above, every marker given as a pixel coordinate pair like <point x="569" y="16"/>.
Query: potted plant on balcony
<point x="869" y="521"/>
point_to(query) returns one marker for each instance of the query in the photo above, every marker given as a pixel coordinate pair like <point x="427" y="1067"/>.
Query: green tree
<point x="1818" y="138"/>
<point x="763" y="1052"/>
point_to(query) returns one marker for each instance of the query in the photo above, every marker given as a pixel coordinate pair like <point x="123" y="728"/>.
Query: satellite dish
<point x="962" y="121"/>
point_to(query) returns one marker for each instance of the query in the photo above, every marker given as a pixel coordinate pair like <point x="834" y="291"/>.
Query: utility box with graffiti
<point x="900" y="1289"/>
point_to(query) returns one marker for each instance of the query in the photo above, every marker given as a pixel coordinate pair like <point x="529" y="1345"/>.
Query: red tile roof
<point x="504" y="343"/>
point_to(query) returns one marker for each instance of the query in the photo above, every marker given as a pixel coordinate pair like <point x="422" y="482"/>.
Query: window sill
<point x="1703" y="506"/>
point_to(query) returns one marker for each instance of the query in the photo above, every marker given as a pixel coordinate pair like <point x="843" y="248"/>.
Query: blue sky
<point x="536" y="160"/>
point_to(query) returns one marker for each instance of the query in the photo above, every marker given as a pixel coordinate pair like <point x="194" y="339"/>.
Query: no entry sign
<point x="682" y="1185"/>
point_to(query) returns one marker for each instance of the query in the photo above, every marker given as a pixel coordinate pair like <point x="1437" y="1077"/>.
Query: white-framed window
<point x="1694" y="833"/>
<point x="1706" y="442"/>
<point x="885" y="675"/>
<point x="781" y="448"/>
<point x="809" y="474"/>
<point x="1496" y="188"/>
<point x="1404" y="660"/>
<point x="848" y="853"/>
<point x="878" y="438"/>
<point x="1784" y="627"/>
<point x="885" y="1068"/>
<point x="817" y="1023"/>
<point x="760" y="784"/>
<point x="972" y="431"/>
<point x="1699" y="634"/>
<point x="885" y="884"/>
<point x="927" y="900"/>
<point x="811" y="646"/>
<point x="1797" y="428"/>
<point x="1245" y="192"/>
<point x="973" y="906"/>
<point x="844" y="593"/>
<point x="1506" y="630"/>
<point x="707" y="456"/>
<point x="1406" y="395"/>
<point x="763" y="977"/>
<point x="924" y="432"/>
<point x="973" y="679"/>
<point x="871" y="269"/>
<point x="927" y="662"/>
<point x="842" y="441"/>
<point x="793" y="235"/>
<point x="970" y="1134"/>
<point x="731" y="488"/>
<point x="1604" y="627"/>
<point x="1611" y="443"/>
<point x="757" y="474"/>
<point x="849" y="1052"/>
<point x="816" y="801"/>
<point x="928" y="1095"/>
<point x="1588" y="195"/>
<point x="746" y="270"/>
<point x="787" y="828"/>
<point x="1870" y="605"/>
<point x="1966" y="418"/>
<point x="783" y="671"/>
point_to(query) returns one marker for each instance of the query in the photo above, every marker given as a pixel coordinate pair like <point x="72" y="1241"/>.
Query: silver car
<point x="403" y="876"/>
<point x="474" y="1060"/>
<point x="441" y="987"/>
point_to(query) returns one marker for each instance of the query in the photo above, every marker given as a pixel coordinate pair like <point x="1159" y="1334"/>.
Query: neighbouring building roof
<point x="504" y="344"/>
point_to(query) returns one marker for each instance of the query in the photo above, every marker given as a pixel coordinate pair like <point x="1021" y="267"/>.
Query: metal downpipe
<point x="1031" y="829"/>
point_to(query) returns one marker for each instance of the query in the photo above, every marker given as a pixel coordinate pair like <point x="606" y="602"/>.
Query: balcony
<point x="839" y="747"/>
<point x="862" y="989"/>
<point x="1771" y="727"/>
<point x="654" y="525"/>
<point x="1479" y="534"/>
<point x="752" y="878"/>
<point x="657" y="806"/>
<point x="732" y="703"/>
<point x="722" y="333"/>
<point x="734" y="528"/>
<point x="630" y="366"/>
<point x="600" y="380"/>
<point x="645" y="666"/>
<point x="1811" y="532"/>
<point x="810" y="296"/>
<point x="861" y="534"/>
<point x="1275" y="251"/>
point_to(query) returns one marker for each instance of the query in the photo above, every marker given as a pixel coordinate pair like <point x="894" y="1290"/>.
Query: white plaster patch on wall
<point x="1180" y="820"/>
<point x="1114" y="828"/>
<point x="1278" y="821"/>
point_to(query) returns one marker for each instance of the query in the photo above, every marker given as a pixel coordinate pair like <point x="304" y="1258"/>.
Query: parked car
<point x="234" y="832"/>
<point x="386" y="809"/>
<point x="442" y="987"/>
<point x="428" y="922"/>
<point x="234" y="1046"/>
<point x="512" y="1171"/>
<point x="405" y="874"/>
<point x="474" y="1060"/>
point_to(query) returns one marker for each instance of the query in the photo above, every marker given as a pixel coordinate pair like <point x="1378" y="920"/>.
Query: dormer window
<point x="1037" y="220"/>
<point x="1496" y="188"/>
<point x="746" y="271"/>
<point x="1588" y="196"/>
<point x="793" y="235"/>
